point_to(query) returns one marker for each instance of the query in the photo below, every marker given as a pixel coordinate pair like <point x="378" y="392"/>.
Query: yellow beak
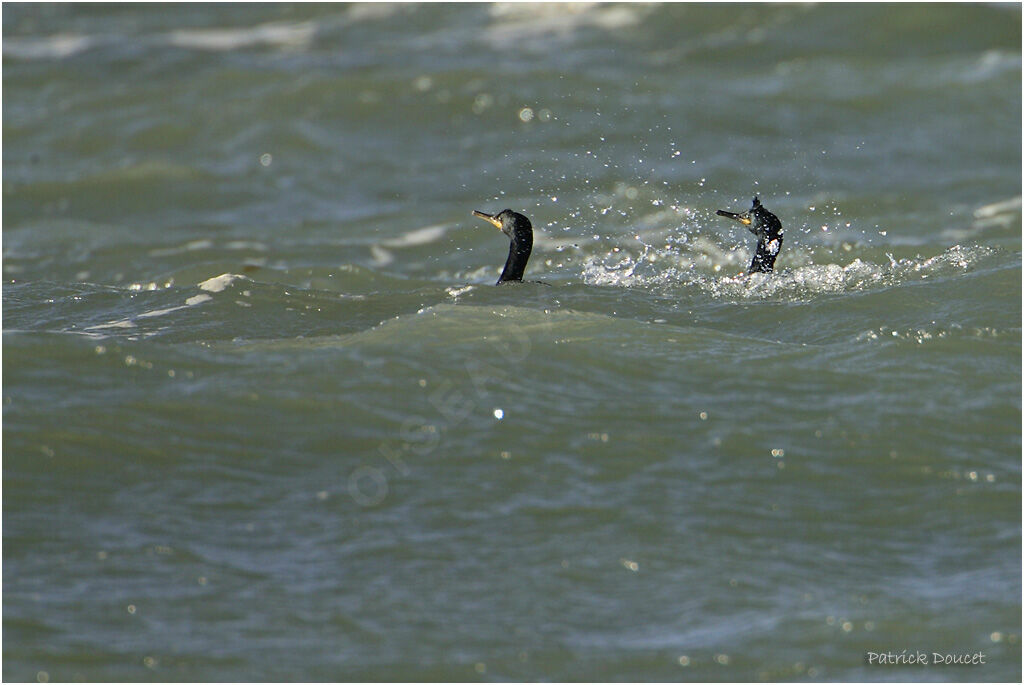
<point x="745" y="220"/>
<point x="487" y="217"/>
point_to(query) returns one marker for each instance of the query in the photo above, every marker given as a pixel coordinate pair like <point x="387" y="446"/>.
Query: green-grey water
<point x="266" y="416"/>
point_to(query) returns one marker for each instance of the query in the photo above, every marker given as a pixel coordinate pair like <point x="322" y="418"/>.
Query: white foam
<point x="161" y="312"/>
<point x="219" y="283"/>
<point x="212" y="285"/>
<point x="120" y="323"/>
<point x="996" y="208"/>
<point x="56" y="46"/>
<point x="369" y="11"/>
<point x="420" y="236"/>
<point x="282" y="35"/>
<point x="990" y="64"/>
<point x="670" y="269"/>
<point x="245" y="245"/>
<point x="190" y="246"/>
<point x="513" y="21"/>
<point x="381" y="257"/>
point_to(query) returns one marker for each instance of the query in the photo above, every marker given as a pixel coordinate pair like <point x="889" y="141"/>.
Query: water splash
<point x="922" y="335"/>
<point x="720" y="272"/>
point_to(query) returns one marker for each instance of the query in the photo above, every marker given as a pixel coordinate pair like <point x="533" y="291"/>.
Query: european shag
<point x="768" y="229"/>
<point x="520" y="232"/>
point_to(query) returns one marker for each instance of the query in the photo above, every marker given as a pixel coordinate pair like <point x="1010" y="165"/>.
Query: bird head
<point x="757" y="218"/>
<point x="513" y="224"/>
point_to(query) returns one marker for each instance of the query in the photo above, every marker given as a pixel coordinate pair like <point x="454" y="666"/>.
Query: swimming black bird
<point x="520" y="232"/>
<point x="768" y="229"/>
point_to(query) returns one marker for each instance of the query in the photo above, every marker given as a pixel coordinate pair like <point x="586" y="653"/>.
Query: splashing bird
<point x="768" y="229"/>
<point x="520" y="232"/>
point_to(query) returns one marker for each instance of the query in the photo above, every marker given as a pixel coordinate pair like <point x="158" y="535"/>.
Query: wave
<point x="702" y="268"/>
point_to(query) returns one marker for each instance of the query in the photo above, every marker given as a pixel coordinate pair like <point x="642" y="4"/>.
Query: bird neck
<point x="518" y="254"/>
<point x="764" y="257"/>
<point x="768" y="230"/>
<point x="763" y="261"/>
